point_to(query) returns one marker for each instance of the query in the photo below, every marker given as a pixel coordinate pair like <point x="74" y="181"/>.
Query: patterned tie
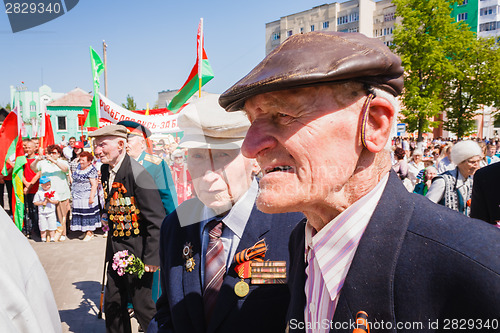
<point x="215" y="267"/>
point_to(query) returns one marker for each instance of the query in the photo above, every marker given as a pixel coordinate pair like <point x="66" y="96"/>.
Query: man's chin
<point x="273" y="204"/>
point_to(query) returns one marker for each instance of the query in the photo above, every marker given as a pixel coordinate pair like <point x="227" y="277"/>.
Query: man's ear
<point x="378" y="127"/>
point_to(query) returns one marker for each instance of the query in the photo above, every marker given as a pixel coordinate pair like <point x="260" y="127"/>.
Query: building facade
<point x="31" y="105"/>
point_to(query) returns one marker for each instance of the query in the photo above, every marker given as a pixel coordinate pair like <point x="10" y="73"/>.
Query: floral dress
<point x="85" y="217"/>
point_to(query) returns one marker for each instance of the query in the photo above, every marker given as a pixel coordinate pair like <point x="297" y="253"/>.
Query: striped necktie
<point x="215" y="267"/>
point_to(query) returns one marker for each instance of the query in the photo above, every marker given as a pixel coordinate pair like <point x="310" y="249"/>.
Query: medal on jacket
<point x="187" y="254"/>
<point x="244" y="259"/>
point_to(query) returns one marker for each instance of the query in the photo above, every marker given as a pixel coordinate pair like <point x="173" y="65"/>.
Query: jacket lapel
<point x="191" y="281"/>
<point x="369" y="283"/>
<point x="257" y="226"/>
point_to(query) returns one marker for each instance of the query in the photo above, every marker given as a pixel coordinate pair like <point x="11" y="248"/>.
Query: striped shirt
<point x="329" y="254"/>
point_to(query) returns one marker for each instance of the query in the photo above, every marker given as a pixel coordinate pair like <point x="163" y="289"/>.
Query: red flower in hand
<point x="49" y="195"/>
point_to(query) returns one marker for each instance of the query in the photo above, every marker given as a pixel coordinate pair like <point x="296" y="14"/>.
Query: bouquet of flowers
<point x="123" y="262"/>
<point x="48" y="195"/>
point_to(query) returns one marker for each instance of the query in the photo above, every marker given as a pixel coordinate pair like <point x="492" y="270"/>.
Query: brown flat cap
<point x="317" y="58"/>
<point x="110" y="130"/>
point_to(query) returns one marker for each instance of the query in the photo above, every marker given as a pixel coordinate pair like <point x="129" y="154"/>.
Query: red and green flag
<point x="17" y="184"/>
<point x="8" y="136"/>
<point x="97" y="68"/>
<point x="199" y="76"/>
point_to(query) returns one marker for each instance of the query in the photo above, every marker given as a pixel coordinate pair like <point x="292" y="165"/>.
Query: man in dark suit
<point x="135" y="213"/>
<point x="322" y="106"/>
<point x="485" y="201"/>
<point x="194" y="299"/>
<point x="137" y="147"/>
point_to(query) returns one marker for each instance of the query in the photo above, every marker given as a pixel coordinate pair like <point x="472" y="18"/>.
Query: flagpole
<point x="104" y="47"/>
<point x="200" y="57"/>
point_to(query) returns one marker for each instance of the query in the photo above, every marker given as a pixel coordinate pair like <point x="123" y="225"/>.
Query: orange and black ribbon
<point x="254" y="253"/>
<point x="362" y="325"/>
<point x="121" y="188"/>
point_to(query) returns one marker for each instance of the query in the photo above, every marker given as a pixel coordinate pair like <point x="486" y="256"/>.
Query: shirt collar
<point x="357" y="215"/>
<point x="118" y="165"/>
<point x="238" y="216"/>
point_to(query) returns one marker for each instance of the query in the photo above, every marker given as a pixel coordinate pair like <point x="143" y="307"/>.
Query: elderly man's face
<point x="307" y="142"/>
<point x="220" y="177"/>
<point x="72" y="142"/>
<point x="109" y="149"/>
<point x="135" y="146"/>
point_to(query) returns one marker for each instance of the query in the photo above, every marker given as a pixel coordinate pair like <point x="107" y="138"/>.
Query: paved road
<point x="75" y="271"/>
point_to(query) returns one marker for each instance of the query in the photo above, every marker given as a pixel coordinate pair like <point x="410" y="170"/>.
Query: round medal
<point x="241" y="288"/>
<point x="127" y="233"/>
<point x="136" y="231"/>
<point x="121" y="233"/>
<point x="135" y="225"/>
<point x="137" y="211"/>
<point x="115" y="233"/>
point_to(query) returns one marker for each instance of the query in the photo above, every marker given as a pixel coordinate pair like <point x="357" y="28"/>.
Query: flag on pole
<point x="97" y="68"/>
<point x="8" y="136"/>
<point x="199" y="76"/>
<point x="17" y="177"/>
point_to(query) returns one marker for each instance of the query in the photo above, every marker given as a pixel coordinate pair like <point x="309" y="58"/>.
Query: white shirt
<point x="68" y="152"/>
<point x="113" y="171"/>
<point x="235" y="223"/>
<point x="27" y="303"/>
<point x="329" y="254"/>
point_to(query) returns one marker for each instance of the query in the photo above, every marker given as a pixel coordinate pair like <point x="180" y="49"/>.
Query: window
<point x="276" y="36"/>
<point x="389" y="17"/>
<point x="488" y="11"/>
<point x="326" y="24"/>
<point x="61" y="123"/>
<point x="354" y="17"/>
<point x="490" y="26"/>
<point x="312" y="27"/>
<point x="289" y="33"/>
<point x="463" y="2"/>
<point x="301" y="30"/>
<point x="462" y="17"/>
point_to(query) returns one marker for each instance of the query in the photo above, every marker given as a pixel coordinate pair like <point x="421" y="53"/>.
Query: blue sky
<point x="151" y="45"/>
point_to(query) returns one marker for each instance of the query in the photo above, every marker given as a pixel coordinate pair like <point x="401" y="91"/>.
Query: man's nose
<point x="258" y="139"/>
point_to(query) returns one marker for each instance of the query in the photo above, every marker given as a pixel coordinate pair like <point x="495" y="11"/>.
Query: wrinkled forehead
<point x="339" y="95"/>
<point x="107" y="139"/>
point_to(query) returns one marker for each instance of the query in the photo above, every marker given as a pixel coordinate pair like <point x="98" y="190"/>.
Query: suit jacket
<point x="485" y="199"/>
<point x="417" y="262"/>
<point x="180" y="308"/>
<point x="159" y="170"/>
<point x="140" y="185"/>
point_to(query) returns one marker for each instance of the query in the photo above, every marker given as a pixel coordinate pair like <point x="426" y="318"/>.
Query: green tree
<point x="472" y="83"/>
<point x="8" y="107"/>
<point x="130" y="103"/>
<point x="422" y="39"/>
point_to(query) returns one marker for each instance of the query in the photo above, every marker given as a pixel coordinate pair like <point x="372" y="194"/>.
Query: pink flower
<point x="120" y="271"/>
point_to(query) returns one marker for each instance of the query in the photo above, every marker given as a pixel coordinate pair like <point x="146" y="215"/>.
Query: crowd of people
<point x="443" y="170"/>
<point x="72" y="173"/>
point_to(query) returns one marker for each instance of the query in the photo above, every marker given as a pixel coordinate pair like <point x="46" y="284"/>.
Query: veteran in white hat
<point x="209" y="230"/>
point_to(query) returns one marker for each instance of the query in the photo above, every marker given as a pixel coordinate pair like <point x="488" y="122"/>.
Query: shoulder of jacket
<point x="152" y="158"/>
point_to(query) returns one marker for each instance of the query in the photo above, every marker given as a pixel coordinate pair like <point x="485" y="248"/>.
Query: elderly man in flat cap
<point x="135" y="213"/>
<point x="322" y="105"/>
<point x="137" y="145"/>
<point x="212" y="244"/>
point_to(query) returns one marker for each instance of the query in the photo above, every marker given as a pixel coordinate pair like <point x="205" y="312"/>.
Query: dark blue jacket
<point x="180" y="308"/>
<point x="417" y="262"/>
<point x="485" y="201"/>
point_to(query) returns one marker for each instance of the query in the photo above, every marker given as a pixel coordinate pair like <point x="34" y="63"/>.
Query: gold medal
<point x="132" y="208"/>
<point x="121" y="233"/>
<point x="189" y="264"/>
<point x="121" y="218"/>
<point x="241" y="288"/>
<point x="127" y="233"/>
<point x="115" y="233"/>
<point x="136" y="231"/>
<point x="135" y="225"/>
<point x="137" y="211"/>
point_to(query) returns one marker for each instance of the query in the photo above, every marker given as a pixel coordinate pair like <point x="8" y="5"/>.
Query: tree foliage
<point x="421" y="40"/>
<point x="446" y="66"/>
<point x="472" y="83"/>
<point x="130" y="105"/>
